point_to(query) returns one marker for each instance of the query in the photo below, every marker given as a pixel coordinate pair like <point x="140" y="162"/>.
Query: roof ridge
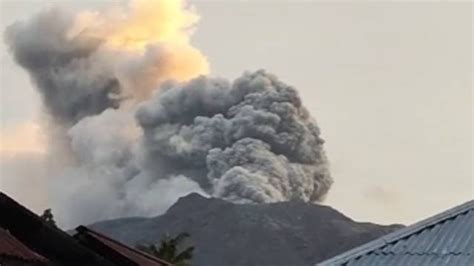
<point x="401" y="233"/>
<point x="6" y="202"/>
<point x="418" y="253"/>
<point x="83" y="228"/>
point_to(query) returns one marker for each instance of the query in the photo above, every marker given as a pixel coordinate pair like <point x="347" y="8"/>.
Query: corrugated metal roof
<point x="136" y="256"/>
<point x="444" y="239"/>
<point x="13" y="248"/>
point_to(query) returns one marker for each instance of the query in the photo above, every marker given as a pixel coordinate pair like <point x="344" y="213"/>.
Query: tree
<point x="48" y="217"/>
<point x="169" y="250"/>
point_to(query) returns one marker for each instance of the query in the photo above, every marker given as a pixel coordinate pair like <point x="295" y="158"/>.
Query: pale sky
<point x="390" y="85"/>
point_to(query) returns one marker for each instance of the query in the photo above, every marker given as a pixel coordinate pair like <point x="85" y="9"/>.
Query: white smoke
<point x="134" y="152"/>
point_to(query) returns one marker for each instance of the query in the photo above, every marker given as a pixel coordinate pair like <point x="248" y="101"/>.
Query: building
<point x="15" y="253"/>
<point x="42" y="238"/>
<point x="444" y="239"/>
<point x="26" y="239"/>
<point x="115" y="251"/>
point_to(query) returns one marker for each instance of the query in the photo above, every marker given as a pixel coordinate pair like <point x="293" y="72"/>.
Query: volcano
<point x="224" y="233"/>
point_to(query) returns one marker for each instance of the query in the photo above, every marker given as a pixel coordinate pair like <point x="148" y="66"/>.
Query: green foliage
<point x="169" y="250"/>
<point x="48" y="217"/>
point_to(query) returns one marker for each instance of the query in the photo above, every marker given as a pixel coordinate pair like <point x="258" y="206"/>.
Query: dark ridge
<point x="274" y="234"/>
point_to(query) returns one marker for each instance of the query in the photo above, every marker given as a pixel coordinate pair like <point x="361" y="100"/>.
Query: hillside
<point x="276" y="234"/>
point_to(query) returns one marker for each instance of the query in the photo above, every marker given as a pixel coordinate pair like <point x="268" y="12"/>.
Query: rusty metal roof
<point x="444" y="239"/>
<point x="13" y="248"/>
<point x="51" y="242"/>
<point x="114" y="248"/>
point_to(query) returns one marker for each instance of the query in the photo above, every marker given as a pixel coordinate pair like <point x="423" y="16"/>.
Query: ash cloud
<point x="249" y="141"/>
<point x="65" y="70"/>
<point x="143" y="126"/>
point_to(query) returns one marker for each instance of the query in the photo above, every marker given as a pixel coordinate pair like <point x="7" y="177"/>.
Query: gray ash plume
<point x="249" y="141"/>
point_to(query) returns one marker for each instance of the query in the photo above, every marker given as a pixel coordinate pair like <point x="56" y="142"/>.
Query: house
<point x="42" y="238"/>
<point x="115" y="251"/>
<point x="444" y="239"/>
<point x="26" y="239"/>
<point x="15" y="253"/>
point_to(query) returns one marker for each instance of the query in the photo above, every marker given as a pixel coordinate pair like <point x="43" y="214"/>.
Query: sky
<point x="390" y="84"/>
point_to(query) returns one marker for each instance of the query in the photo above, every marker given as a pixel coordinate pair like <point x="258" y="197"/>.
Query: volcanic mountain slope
<point x="227" y="234"/>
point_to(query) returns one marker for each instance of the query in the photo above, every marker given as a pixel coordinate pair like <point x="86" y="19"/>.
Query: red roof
<point x="13" y="248"/>
<point x="139" y="257"/>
